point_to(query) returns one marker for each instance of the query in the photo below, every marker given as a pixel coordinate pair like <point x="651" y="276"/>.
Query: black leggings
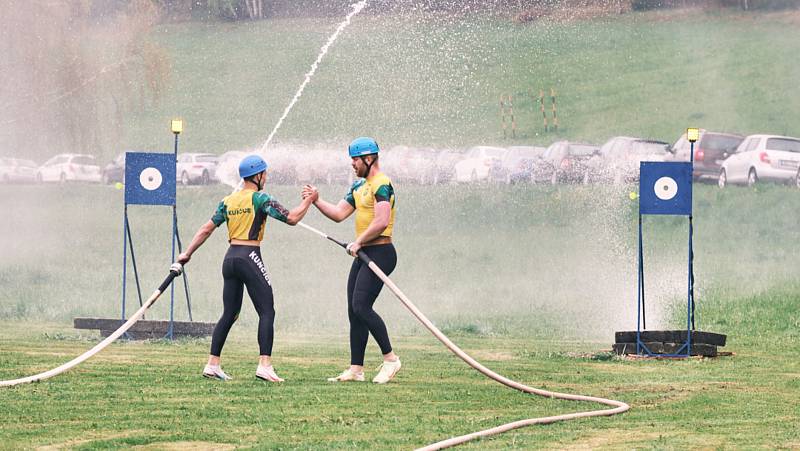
<point x="242" y="267"/>
<point x="363" y="287"/>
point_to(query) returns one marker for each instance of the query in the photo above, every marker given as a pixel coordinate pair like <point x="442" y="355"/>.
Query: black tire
<point x="722" y="182"/>
<point x="752" y="178"/>
<point x="185" y="179"/>
<point x="205" y="179"/>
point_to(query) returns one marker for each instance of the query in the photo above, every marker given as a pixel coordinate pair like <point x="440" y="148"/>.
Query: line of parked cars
<point x="723" y="158"/>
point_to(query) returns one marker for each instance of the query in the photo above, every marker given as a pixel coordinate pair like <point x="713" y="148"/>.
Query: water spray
<point x="618" y="406"/>
<point x="174" y="271"/>
<point x="357" y="7"/>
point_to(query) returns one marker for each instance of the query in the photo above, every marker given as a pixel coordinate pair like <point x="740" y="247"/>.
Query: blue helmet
<point x="251" y="165"/>
<point x="363" y="146"/>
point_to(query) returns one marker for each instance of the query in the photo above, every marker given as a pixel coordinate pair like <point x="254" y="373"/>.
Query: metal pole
<point x="174" y="228"/>
<point x="185" y="279"/>
<point x="639" y="290"/>
<point x="124" y="256"/>
<point x="133" y="260"/>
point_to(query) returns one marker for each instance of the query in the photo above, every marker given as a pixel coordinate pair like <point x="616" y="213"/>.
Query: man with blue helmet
<point x="246" y="212"/>
<point x="372" y="199"/>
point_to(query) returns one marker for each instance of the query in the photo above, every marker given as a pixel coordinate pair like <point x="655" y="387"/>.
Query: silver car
<point x="196" y="168"/>
<point x="17" y="170"/>
<point x="762" y="158"/>
<point x="68" y="167"/>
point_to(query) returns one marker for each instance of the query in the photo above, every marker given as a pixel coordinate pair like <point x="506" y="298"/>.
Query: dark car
<point x="518" y="165"/>
<point x="709" y="152"/>
<point x="570" y="162"/>
<point x="115" y="171"/>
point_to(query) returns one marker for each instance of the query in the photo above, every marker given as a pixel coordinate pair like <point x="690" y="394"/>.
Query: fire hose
<point x="174" y="271"/>
<point x="618" y="406"/>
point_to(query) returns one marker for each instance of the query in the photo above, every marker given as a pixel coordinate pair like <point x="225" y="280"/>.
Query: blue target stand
<point x="665" y="188"/>
<point x="150" y="180"/>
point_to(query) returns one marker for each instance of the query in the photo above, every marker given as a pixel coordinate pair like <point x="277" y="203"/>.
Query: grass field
<point x="532" y="280"/>
<point x="428" y="79"/>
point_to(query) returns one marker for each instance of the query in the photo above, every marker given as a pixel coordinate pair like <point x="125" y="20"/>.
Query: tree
<point x="69" y="79"/>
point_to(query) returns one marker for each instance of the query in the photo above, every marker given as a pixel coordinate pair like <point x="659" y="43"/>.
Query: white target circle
<point x="666" y="188"/>
<point x="150" y="178"/>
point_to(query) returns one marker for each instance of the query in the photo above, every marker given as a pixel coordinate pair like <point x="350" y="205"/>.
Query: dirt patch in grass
<point x="70" y="444"/>
<point x="612" y="439"/>
<point x="184" y="446"/>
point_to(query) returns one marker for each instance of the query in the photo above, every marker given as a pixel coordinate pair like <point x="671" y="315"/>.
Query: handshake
<point x="310" y="191"/>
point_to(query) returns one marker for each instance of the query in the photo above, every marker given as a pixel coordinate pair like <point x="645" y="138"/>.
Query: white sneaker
<point x="267" y="373"/>
<point x="387" y="372"/>
<point x="215" y="372"/>
<point x="348" y="376"/>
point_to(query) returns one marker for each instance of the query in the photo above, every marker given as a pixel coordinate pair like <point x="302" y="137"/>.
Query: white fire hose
<point x="174" y="271"/>
<point x="618" y="406"/>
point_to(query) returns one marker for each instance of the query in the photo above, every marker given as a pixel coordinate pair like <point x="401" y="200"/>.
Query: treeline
<point x="234" y="10"/>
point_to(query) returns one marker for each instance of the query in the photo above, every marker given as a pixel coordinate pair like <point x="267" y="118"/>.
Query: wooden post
<point x="503" y="114"/>
<point x="513" y="122"/>
<point x="544" y="113"/>
<point x="555" y="116"/>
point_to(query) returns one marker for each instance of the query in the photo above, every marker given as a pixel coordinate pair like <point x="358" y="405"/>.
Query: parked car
<point x="621" y="156"/>
<point x="409" y="165"/>
<point x="478" y="163"/>
<point x="709" y="152"/>
<point x="115" y="171"/>
<point x="762" y="158"/>
<point x="69" y="167"/>
<point x="570" y="162"/>
<point x="228" y="167"/>
<point x="196" y="168"/>
<point x="445" y="164"/>
<point x="17" y="170"/>
<point x="518" y="164"/>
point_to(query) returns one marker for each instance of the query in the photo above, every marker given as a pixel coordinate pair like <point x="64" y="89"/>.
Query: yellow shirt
<point x="246" y="213"/>
<point x="364" y="194"/>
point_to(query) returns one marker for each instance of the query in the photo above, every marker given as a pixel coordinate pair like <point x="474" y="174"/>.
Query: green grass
<point x="532" y="280"/>
<point x="427" y="79"/>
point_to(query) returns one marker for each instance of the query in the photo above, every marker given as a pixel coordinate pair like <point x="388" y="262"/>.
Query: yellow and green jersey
<point x="246" y="213"/>
<point x="363" y="196"/>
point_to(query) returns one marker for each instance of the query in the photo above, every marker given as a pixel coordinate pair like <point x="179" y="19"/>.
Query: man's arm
<point x="336" y="213"/>
<point x="383" y="211"/>
<point x="199" y="238"/>
<point x="297" y="213"/>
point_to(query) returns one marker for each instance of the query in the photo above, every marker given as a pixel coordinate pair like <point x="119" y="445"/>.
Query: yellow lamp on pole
<point x="692" y="134"/>
<point x="176" y="125"/>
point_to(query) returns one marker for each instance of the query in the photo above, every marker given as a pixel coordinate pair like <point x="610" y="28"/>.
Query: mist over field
<point x="555" y="261"/>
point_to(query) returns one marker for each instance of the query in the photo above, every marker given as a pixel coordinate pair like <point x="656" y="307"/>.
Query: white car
<point x="196" y="168"/>
<point x="622" y="155"/>
<point x="17" y="170"/>
<point x="762" y="158"/>
<point x="478" y="163"/>
<point x="68" y="167"/>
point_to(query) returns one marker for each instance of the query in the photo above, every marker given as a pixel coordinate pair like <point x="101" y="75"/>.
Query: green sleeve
<point x="384" y="193"/>
<point x="269" y="205"/>
<point x="221" y="215"/>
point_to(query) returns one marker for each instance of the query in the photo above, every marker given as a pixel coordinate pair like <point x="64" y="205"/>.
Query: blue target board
<point x="665" y="188"/>
<point x="149" y="178"/>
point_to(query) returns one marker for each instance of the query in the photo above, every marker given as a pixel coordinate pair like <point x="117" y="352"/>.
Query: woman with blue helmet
<point x="245" y="213"/>
<point x="372" y="199"/>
